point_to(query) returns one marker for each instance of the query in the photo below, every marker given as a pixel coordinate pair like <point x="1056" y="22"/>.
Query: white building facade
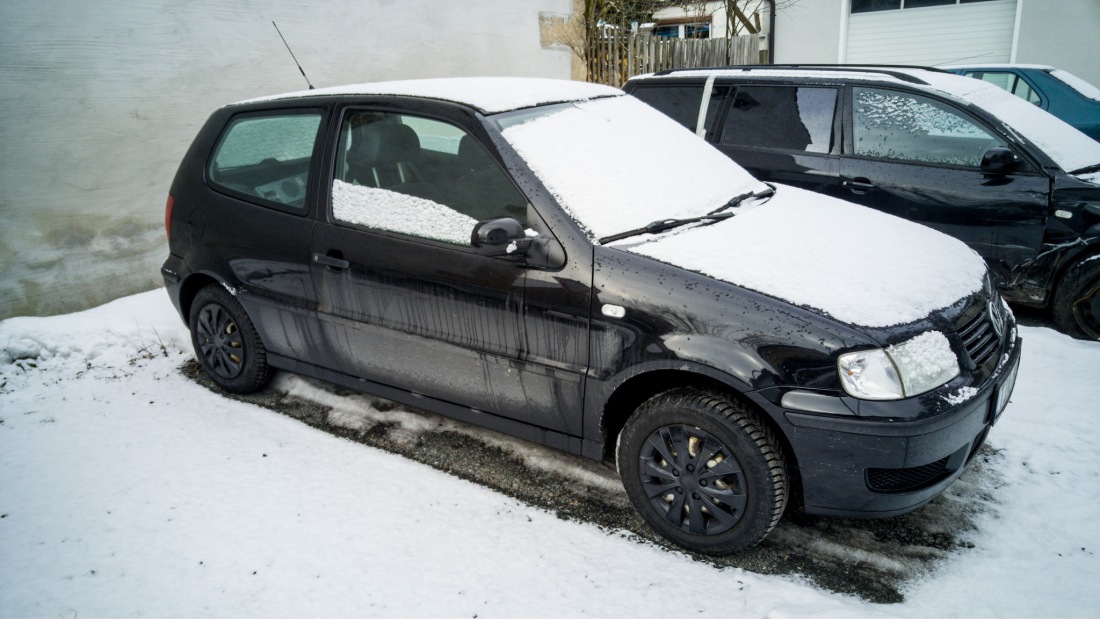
<point x="1062" y="33"/>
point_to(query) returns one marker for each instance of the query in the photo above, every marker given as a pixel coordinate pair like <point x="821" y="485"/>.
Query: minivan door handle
<point x="331" y="261"/>
<point x="858" y="185"/>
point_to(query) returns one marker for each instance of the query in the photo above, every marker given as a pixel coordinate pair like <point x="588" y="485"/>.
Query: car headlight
<point x="899" y="371"/>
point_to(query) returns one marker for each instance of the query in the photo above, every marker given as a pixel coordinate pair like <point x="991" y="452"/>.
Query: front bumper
<point x="867" y="468"/>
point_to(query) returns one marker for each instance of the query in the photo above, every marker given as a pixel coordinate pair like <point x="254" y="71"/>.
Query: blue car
<point x="1059" y="92"/>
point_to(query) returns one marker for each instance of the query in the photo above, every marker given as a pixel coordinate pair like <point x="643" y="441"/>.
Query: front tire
<point x="703" y="471"/>
<point x="1077" y="301"/>
<point x="226" y="343"/>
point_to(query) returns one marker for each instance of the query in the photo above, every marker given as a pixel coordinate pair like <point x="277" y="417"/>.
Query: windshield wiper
<point x="1087" y="169"/>
<point x="662" y="225"/>
<point x="737" y="200"/>
<point x="667" y="224"/>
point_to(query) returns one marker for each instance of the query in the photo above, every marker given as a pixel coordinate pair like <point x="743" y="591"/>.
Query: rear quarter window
<point x="265" y="158"/>
<point x="678" y="102"/>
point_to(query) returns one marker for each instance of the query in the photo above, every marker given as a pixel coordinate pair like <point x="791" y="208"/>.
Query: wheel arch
<point x="191" y="287"/>
<point x="632" y="392"/>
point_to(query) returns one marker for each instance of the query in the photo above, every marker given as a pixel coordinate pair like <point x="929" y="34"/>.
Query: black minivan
<point x="525" y="255"/>
<point x="1019" y="186"/>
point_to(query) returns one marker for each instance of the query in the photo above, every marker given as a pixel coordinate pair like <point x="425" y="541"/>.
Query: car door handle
<point x="858" y="185"/>
<point x="331" y="261"/>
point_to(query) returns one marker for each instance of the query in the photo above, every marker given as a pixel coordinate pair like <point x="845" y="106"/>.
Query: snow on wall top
<point x="856" y="264"/>
<point x="487" y="94"/>
<point x="1069" y="148"/>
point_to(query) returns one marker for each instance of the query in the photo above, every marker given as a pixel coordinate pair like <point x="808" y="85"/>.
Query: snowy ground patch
<point x="128" y="489"/>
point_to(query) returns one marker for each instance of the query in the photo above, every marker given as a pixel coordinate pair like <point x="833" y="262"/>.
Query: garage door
<point x="967" y="32"/>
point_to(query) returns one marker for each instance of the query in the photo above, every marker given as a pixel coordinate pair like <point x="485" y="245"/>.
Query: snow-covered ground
<point x="127" y="489"/>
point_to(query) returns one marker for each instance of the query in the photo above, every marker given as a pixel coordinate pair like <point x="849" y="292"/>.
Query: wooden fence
<point x="617" y="56"/>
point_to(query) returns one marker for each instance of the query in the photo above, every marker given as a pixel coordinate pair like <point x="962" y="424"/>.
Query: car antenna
<point x="291" y="53"/>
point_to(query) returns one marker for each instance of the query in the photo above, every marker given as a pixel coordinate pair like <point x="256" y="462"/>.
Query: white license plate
<point x="1005" y="391"/>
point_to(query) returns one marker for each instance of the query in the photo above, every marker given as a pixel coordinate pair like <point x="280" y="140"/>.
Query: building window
<point x="697" y="30"/>
<point x="866" y="6"/>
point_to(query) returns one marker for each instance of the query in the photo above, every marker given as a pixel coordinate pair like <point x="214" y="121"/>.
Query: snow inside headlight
<point x="899" y="371"/>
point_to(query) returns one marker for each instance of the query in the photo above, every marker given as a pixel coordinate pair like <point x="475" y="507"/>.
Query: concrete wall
<point x="100" y="100"/>
<point x="1065" y="34"/>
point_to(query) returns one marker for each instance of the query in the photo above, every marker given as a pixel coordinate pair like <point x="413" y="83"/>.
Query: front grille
<point x="905" y="480"/>
<point x="979" y="338"/>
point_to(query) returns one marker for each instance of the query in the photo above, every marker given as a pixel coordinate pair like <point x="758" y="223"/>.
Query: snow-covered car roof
<point x="489" y="95"/>
<point x="1069" y="148"/>
<point x="999" y="65"/>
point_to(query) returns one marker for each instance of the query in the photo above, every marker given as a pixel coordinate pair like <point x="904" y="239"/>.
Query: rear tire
<point x="1077" y="300"/>
<point x="226" y="343"/>
<point x="703" y="471"/>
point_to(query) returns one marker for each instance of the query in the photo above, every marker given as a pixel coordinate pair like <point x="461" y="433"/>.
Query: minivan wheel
<point x="226" y="343"/>
<point x="703" y="470"/>
<point x="1077" y="301"/>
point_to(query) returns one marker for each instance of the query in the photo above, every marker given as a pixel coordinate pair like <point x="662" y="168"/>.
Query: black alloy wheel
<point x="1077" y="301"/>
<point x="693" y="479"/>
<point x="703" y="470"/>
<point x="226" y="343"/>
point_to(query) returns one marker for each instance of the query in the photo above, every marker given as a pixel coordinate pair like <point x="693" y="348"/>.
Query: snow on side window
<point x="896" y="125"/>
<point x="397" y="212"/>
<point x="616" y="164"/>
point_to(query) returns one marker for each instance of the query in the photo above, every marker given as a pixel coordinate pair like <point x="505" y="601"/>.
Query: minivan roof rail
<point x="885" y="69"/>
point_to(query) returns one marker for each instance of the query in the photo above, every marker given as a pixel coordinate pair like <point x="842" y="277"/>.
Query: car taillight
<point x="168" y="216"/>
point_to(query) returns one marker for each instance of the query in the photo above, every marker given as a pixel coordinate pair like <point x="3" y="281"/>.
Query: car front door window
<point x="418" y="176"/>
<point x="902" y="126"/>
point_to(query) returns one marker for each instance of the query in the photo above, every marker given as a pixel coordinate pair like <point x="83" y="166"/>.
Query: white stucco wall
<point x="1065" y="34"/>
<point x="100" y="100"/>
<point x="809" y="31"/>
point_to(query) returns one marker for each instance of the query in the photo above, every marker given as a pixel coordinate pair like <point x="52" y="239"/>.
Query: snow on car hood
<point x="855" y="264"/>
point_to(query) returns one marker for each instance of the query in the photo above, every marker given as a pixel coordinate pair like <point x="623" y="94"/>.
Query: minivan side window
<point x="680" y="102"/>
<point x="889" y="124"/>
<point x="781" y="117"/>
<point x="418" y="176"/>
<point x="266" y="158"/>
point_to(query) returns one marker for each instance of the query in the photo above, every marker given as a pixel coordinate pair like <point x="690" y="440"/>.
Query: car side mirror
<point x="999" y="161"/>
<point x="499" y="237"/>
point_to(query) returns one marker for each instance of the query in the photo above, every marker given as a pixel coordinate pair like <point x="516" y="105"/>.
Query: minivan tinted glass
<point x="783" y="117"/>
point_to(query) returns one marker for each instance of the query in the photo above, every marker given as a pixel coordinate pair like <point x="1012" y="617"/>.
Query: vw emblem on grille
<point x="997" y="315"/>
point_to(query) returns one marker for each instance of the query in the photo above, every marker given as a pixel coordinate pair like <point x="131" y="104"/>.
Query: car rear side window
<point x="1010" y="82"/>
<point x="266" y="157"/>
<point x="679" y="102"/>
<point x="418" y="176"/>
<point x="889" y="124"/>
<point x="781" y="117"/>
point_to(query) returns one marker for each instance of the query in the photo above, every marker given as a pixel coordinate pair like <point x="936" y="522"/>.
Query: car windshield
<point x="616" y="164"/>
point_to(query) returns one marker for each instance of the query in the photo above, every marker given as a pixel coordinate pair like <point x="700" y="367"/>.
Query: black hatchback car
<point x="522" y="255"/>
<point x="1019" y="186"/>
